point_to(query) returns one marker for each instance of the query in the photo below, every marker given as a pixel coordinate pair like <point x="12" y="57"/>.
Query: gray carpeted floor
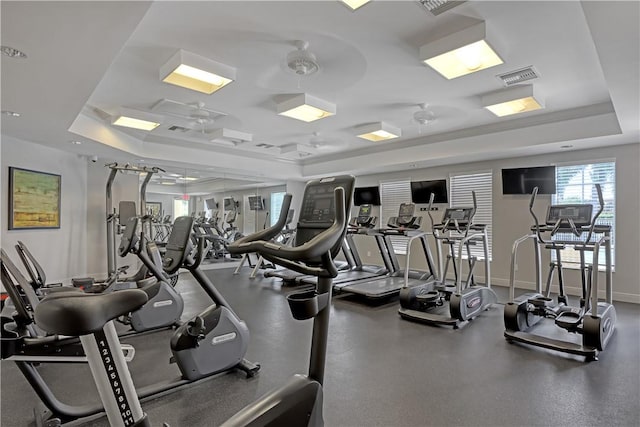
<point x="381" y="370"/>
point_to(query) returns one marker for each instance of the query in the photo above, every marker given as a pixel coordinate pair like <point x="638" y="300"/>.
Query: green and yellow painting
<point x="34" y="199"/>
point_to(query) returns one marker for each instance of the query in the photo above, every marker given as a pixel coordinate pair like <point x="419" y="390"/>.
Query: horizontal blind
<point x="576" y="184"/>
<point x="392" y="194"/>
<point x="460" y="188"/>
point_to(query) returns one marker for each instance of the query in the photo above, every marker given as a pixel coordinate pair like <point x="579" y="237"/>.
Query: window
<point x="460" y="188"/>
<point x="276" y="205"/>
<point x="180" y="208"/>
<point x="392" y="194"/>
<point x="576" y="184"/>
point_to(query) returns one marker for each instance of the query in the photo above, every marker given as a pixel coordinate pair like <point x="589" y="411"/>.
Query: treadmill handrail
<point x="295" y="257"/>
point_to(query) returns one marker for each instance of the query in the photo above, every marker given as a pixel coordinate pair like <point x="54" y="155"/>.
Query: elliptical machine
<point x="428" y="302"/>
<point x="594" y="320"/>
<point x="322" y="224"/>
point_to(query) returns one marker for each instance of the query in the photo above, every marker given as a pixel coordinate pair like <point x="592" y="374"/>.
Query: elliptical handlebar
<point x="319" y="247"/>
<point x="593" y="221"/>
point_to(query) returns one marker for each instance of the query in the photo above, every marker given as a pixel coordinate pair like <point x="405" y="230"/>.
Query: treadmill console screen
<point x="459" y="214"/>
<point x="365" y="210"/>
<point x="406" y="209"/>
<point x="579" y="214"/>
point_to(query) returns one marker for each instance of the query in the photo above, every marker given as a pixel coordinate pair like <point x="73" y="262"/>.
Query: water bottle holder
<point x="307" y="304"/>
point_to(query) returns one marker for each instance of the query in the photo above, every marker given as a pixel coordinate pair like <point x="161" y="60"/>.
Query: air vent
<point x="176" y="128"/>
<point x="264" y="145"/>
<point x="522" y="75"/>
<point x="436" y="7"/>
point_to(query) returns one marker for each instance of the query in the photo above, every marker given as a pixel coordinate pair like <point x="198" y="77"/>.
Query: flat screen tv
<point x="524" y="180"/>
<point x="256" y="203"/>
<point x="421" y="191"/>
<point x="366" y="196"/>
<point x="211" y="204"/>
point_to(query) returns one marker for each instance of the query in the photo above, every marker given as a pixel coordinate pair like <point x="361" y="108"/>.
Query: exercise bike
<point x="594" y="320"/>
<point x="299" y="401"/>
<point x="212" y="342"/>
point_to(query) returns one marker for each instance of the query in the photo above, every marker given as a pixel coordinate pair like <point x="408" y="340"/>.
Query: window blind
<point x="576" y="184"/>
<point x="392" y="194"/>
<point x="460" y="188"/>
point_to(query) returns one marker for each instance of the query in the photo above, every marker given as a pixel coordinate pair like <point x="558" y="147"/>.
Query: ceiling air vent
<point x="265" y="145"/>
<point x="436" y="7"/>
<point x="176" y="128"/>
<point x="518" y="76"/>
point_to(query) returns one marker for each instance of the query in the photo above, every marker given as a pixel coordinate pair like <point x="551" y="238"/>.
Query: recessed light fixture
<point x="75" y="142"/>
<point x="460" y="53"/>
<point x="10" y="113"/>
<point x="512" y="100"/>
<point x="355" y="4"/>
<point x="195" y="72"/>
<point x="136" y="119"/>
<point x="229" y="137"/>
<point x="306" y="108"/>
<point x="378" y="131"/>
<point x="12" y="52"/>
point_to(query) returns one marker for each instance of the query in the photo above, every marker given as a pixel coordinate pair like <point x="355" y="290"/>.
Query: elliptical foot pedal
<point x="569" y="320"/>
<point x="541" y="302"/>
<point x="428" y="297"/>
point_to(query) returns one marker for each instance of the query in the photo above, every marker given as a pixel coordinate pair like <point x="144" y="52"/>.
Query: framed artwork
<point x="34" y="199"/>
<point x="154" y="208"/>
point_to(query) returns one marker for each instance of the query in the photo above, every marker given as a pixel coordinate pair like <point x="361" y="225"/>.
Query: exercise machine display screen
<point x="579" y="214"/>
<point x="318" y="204"/>
<point x="457" y="214"/>
<point x="365" y="210"/>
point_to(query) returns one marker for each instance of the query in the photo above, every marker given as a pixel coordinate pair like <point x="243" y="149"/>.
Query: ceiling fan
<point x="196" y="115"/>
<point x="319" y="142"/>
<point x="424" y="116"/>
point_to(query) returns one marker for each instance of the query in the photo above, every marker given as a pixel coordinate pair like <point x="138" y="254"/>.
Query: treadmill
<point x="405" y="224"/>
<point x="361" y="224"/>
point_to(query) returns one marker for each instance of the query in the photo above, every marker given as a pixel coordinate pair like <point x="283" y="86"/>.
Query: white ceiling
<point x="88" y="59"/>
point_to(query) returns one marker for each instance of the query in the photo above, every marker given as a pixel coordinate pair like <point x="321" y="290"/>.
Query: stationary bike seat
<point x="78" y="313"/>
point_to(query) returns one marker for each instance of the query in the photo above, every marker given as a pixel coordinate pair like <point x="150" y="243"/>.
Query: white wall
<point x="60" y="251"/>
<point x="511" y="218"/>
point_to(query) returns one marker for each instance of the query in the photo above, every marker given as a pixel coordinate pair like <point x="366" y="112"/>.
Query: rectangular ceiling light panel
<point x="355" y="4"/>
<point x="306" y="108"/>
<point x="135" y="119"/>
<point x="513" y="100"/>
<point x="378" y="131"/>
<point x="460" y="53"/>
<point x="195" y="72"/>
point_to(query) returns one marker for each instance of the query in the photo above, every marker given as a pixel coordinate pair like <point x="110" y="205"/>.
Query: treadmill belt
<point x="380" y="288"/>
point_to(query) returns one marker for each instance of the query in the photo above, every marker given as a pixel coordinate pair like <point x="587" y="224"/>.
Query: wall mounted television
<point x="421" y="191"/>
<point x="211" y="204"/>
<point x="366" y="196"/>
<point x="524" y="180"/>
